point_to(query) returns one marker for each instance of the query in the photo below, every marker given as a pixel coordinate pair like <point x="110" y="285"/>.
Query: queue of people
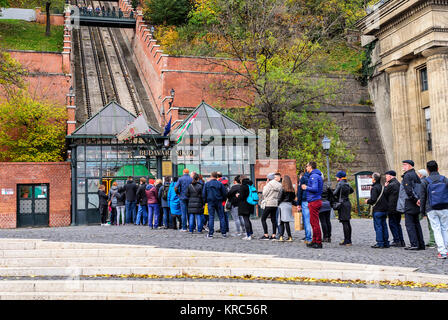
<point x="190" y="204"/>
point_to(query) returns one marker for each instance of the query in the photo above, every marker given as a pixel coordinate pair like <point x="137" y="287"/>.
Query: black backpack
<point x="165" y="192"/>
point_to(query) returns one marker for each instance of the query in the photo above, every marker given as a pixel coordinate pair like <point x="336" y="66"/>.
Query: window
<point x="428" y="128"/>
<point x="424" y="79"/>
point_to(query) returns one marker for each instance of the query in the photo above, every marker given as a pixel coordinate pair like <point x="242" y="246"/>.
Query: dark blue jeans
<point x="219" y="209"/>
<point x="167" y="217"/>
<point x="382" y="235"/>
<point x="130" y="211"/>
<point x="153" y="215"/>
<point x="395" y="226"/>
<point x="199" y="219"/>
<point x="184" y="217"/>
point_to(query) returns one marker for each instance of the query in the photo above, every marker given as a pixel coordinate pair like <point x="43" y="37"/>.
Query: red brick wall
<point x="284" y="166"/>
<point x="55" y="19"/>
<point x="56" y="174"/>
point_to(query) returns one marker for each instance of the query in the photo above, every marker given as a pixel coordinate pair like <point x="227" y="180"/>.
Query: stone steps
<point x="220" y="271"/>
<point x="110" y="289"/>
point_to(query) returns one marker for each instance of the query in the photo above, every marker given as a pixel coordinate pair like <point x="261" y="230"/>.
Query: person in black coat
<point x="131" y="199"/>
<point x="325" y="212"/>
<point x="142" y="214"/>
<point x="233" y="199"/>
<point x="195" y="206"/>
<point x="245" y="209"/>
<point x="102" y="204"/>
<point x="391" y="191"/>
<point x="380" y="206"/>
<point x="410" y="192"/>
<point x="341" y="194"/>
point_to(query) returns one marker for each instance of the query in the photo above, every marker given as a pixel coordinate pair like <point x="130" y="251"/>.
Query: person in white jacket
<point x="270" y="204"/>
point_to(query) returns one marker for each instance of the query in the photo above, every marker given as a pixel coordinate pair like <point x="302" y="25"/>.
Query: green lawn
<point x="24" y="35"/>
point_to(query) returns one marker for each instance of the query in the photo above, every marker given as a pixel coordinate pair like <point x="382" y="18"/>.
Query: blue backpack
<point x="252" y="198"/>
<point x="437" y="192"/>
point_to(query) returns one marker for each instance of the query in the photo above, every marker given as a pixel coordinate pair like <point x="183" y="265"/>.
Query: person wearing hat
<point x="391" y="192"/>
<point x="407" y="203"/>
<point x="422" y="174"/>
<point x="269" y="204"/>
<point x="341" y="194"/>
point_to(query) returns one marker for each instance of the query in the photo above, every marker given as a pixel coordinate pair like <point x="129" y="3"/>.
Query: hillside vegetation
<point x="24" y="35"/>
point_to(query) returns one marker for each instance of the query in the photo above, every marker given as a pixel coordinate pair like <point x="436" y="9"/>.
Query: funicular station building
<point x="98" y="157"/>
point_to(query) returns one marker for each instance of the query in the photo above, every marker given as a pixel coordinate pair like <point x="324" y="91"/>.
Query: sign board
<point x="167" y="168"/>
<point x="364" y="183"/>
<point x="7" y="192"/>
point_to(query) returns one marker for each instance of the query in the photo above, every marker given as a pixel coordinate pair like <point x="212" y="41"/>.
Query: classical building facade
<point x="409" y="86"/>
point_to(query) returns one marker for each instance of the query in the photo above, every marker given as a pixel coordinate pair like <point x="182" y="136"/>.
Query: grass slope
<point x="24" y="35"/>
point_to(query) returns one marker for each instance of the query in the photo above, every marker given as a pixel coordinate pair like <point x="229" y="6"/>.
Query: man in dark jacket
<point x="130" y="190"/>
<point x="380" y="207"/>
<point x="391" y="191"/>
<point x="142" y="202"/>
<point x="407" y="203"/>
<point x="314" y="189"/>
<point x="213" y="194"/>
<point x="303" y="206"/>
<point x="435" y="189"/>
<point x="181" y="189"/>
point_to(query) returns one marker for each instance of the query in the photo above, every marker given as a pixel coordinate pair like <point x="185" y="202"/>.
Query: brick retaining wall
<point x="56" y="174"/>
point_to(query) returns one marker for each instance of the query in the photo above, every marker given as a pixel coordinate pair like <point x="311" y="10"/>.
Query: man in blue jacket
<point x="181" y="189"/>
<point x="214" y="193"/>
<point x="314" y="189"/>
<point x="303" y="206"/>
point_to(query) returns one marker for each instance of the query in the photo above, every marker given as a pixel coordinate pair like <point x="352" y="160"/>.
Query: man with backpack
<point x="434" y="203"/>
<point x="407" y="203"/>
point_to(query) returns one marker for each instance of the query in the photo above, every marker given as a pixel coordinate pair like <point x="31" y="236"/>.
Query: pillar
<point x="437" y="66"/>
<point x="399" y="110"/>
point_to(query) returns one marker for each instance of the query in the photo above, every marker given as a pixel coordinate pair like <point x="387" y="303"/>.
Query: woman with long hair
<point x="286" y="200"/>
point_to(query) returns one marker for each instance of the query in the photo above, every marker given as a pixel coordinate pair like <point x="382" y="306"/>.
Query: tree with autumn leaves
<point x="30" y="130"/>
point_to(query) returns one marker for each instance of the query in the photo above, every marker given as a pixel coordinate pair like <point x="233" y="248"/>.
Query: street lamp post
<point x="326" y="146"/>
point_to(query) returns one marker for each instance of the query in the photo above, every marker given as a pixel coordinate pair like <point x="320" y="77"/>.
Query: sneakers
<point x="247" y="238"/>
<point x="343" y="243"/>
<point x="182" y="230"/>
<point x="289" y="239"/>
<point x="441" y="256"/>
<point x="315" y="245"/>
<point x="279" y="239"/>
<point x="430" y="245"/>
<point x="326" y="240"/>
<point x="264" y="238"/>
<point x="307" y="242"/>
<point x="224" y="235"/>
<point x="208" y="236"/>
<point x="272" y="237"/>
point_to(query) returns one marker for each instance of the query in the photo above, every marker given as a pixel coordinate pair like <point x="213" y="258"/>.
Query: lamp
<point x="326" y="142"/>
<point x="166" y="142"/>
<point x="172" y="92"/>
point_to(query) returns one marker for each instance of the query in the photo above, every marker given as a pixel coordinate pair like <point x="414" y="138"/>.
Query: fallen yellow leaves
<point x="392" y="283"/>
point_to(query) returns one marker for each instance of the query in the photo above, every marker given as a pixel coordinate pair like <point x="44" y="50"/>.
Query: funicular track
<point x="104" y="74"/>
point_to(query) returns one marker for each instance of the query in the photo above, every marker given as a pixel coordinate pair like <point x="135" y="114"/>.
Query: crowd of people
<point x="102" y="12"/>
<point x="189" y="203"/>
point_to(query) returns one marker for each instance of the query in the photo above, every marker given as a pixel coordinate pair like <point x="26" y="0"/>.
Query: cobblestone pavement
<point x="363" y="236"/>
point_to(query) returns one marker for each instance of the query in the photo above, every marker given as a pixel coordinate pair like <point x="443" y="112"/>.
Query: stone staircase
<point x="70" y="261"/>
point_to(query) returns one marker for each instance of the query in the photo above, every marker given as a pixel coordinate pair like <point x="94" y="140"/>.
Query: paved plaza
<point x="363" y="237"/>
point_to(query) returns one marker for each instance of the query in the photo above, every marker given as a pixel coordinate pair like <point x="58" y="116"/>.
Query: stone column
<point x="437" y="66"/>
<point x="399" y="110"/>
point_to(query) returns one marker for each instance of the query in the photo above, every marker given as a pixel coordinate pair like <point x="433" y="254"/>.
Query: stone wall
<point x="55" y="19"/>
<point x="359" y="129"/>
<point x="56" y="174"/>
